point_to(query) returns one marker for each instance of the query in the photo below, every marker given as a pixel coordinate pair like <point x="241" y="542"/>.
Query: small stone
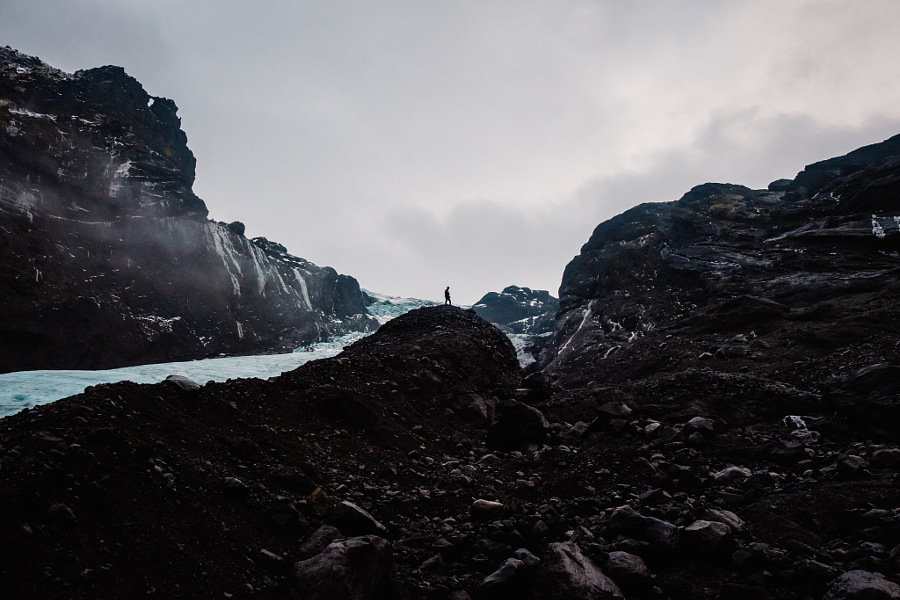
<point x="704" y="536"/>
<point x="850" y="465"/>
<point x="352" y="520"/>
<point x="886" y="457"/>
<point x="486" y="510"/>
<point x="525" y="555"/>
<point x="540" y="530"/>
<point x="669" y="434"/>
<point x="234" y="486"/>
<point x="318" y="541"/>
<point x="435" y="564"/>
<point x="506" y="579"/>
<point x="283" y="511"/>
<point x="62" y="514"/>
<point x="695" y="439"/>
<point x="489" y="459"/>
<point x="272" y="561"/>
<point x="729" y="474"/>
<point x="318" y="502"/>
<point x="702" y="425"/>
<point x="628" y="570"/>
<point x="651" y="428"/>
<point x="660" y="534"/>
<point x="724" y="516"/>
<point x="181" y="383"/>
<point x="615" y="410"/>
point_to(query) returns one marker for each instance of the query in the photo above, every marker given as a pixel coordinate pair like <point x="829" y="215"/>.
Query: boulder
<point x="353" y="569"/>
<point x="862" y="585"/>
<point x="351" y="520"/>
<point x="181" y="383"/>
<point x="729" y="474"/>
<point x="661" y="535"/>
<point x="318" y="541"/>
<point x="886" y="457"/>
<point x="516" y="426"/>
<point x="724" y="516"/>
<point x="527" y="557"/>
<point x="850" y="466"/>
<point x="567" y="574"/>
<point x="614" y="410"/>
<point x="318" y="502"/>
<point x="508" y="581"/>
<point x="486" y="510"/>
<point x="702" y="425"/>
<point x="704" y="536"/>
<point x="628" y="570"/>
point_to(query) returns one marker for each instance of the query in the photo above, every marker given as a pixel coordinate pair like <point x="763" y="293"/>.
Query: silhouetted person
<point x="447" y="296"/>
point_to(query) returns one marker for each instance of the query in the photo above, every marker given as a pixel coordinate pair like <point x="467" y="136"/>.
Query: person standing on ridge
<point x="447" y="296"/>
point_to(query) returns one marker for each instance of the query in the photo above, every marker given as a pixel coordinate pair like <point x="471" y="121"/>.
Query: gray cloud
<point x="472" y="144"/>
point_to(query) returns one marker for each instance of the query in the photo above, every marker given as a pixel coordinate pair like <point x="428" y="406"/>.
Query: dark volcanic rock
<point x="519" y="310"/>
<point x="727" y="279"/>
<point x="523" y="311"/>
<point x="567" y="574"/>
<point x="516" y="426"/>
<point x="107" y="457"/>
<point x="862" y="585"/>
<point x="356" y="569"/>
<point x="108" y="257"/>
<point x="725" y="409"/>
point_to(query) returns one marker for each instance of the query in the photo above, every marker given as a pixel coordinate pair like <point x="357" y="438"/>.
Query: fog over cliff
<point x="477" y="144"/>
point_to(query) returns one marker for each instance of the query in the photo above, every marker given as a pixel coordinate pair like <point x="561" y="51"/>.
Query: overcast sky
<point x="476" y="144"/>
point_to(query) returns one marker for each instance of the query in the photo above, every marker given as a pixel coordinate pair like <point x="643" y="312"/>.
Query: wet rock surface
<point x="108" y="257"/>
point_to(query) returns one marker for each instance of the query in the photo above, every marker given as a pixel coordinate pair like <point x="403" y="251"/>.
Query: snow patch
<point x="303" y="288"/>
<point x="520" y="341"/>
<point x="223" y="247"/>
<point x="877" y="229"/>
<point x="794" y="420"/>
<point x="33" y="115"/>
<point x="584" y="320"/>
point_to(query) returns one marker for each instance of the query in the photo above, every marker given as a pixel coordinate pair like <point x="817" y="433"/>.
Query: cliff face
<point x="778" y="276"/>
<point x="108" y="256"/>
<point x="518" y="310"/>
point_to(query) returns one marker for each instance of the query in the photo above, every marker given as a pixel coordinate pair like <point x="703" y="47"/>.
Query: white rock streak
<point x="225" y="250"/>
<point x="303" y="289"/>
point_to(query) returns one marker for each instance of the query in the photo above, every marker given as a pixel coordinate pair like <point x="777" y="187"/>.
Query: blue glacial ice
<point x="26" y="389"/>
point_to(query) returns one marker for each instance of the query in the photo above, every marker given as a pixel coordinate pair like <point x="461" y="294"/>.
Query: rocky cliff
<point x="717" y="418"/>
<point x="108" y="257"/>
<point x="780" y="278"/>
<point x="519" y="309"/>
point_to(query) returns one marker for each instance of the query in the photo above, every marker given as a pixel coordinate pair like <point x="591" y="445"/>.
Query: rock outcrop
<point x="108" y="257"/>
<point x="526" y="315"/>
<point x="716" y="418"/>
<point x="775" y="283"/>
<point x="519" y="310"/>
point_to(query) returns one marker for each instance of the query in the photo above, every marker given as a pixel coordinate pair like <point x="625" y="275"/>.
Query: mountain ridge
<point x="111" y="258"/>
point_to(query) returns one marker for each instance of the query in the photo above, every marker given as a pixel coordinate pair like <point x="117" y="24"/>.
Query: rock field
<point x="419" y="464"/>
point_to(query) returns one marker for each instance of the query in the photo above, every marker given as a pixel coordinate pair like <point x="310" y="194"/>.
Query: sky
<point x="476" y="144"/>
